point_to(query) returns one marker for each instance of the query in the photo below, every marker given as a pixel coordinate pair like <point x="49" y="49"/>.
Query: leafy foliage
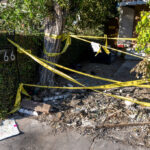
<point x="143" y="44"/>
<point x="143" y="31"/>
<point x="23" y="15"/>
<point x="91" y="15"/>
<point x="95" y="12"/>
<point x="28" y="16"/>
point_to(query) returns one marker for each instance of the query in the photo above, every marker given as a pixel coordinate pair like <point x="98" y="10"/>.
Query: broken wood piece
<point x="40" y="107"/>
<point x="111" y="115"/>
<point x="123" y="125"/>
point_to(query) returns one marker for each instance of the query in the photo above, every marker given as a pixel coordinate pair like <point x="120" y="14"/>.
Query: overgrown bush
<point x="143" y="44"/>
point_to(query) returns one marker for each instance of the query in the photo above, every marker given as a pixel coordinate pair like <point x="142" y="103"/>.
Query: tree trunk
<point x="54" y="25"/>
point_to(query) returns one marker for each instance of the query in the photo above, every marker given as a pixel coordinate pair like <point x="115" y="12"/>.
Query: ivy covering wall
<point x="13" y="72"/>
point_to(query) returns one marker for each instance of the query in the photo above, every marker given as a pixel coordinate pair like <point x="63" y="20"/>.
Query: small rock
<point x="121" y="91"/>
<point x="45" y="99"/>
<point x="70" y="85"/>
<point x="132" y="116"/>
<point x="93" y="110"/>
<point x="66" y="95"/>
<point x="88" y="123"/>
<point x="128" y="103"/>
<point x="73" y="103"/>
<point x="58" y="116"/>
<point x="50" y="117"/>
<point x="60" y="97"/>
<point x="36" y="98"/>
<point x="128" y="89"/>
<point x="79" y="123"/>
<point x="77" y="110"/>
<point x="57" y="93"/>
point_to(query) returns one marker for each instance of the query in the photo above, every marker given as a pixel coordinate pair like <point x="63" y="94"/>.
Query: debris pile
<point x="95" y="114"/>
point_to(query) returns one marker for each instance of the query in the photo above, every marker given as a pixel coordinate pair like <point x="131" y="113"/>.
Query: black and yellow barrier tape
<point x="104" y="46"/>
<point x="62" y="37"/>
<point x="109" y="38"/>
<point x="68" y="43"/>
<point x="119" y="84"/>
<point x="44" y="64"/>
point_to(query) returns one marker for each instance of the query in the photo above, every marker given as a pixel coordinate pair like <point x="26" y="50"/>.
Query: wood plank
<point x="39" y="107"/>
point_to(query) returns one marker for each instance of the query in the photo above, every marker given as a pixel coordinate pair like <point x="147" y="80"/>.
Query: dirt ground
<point x="40" y="136"/>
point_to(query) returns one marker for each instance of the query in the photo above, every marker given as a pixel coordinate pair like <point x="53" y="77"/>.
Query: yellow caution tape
<point x="53" y="36"/>
<point x="18" y="98"/>
<point x="44" y="64"/>
<point x="114" y="49"/>
<point x="99" y="51"/>
<point x="133" y="100"/>
<point x="21" y="89"/>
<point x="80" y="36"/>
<point x="29" y="51"/>
<point x="76" y="37"/>
<point x="82" y="73"/>
<point x="106" y="45"/>
<point x="104" y="87"/>
<point x="119" y="84"/>
<point x="109" y="38"/>
<point x="37" y="59"/>
<point x="67" y="44"/>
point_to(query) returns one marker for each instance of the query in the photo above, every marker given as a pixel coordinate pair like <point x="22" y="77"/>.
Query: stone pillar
<point x="126" y="22"/>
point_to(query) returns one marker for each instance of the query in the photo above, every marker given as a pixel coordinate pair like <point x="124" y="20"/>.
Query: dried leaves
<point x="142" y="69"/>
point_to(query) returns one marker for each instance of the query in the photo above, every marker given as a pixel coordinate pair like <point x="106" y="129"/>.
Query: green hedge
<point x="11" y="73"/>
<point x="25" y="70"/>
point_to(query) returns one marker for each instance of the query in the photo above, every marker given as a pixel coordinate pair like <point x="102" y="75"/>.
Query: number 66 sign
<point x="8" y="56"/>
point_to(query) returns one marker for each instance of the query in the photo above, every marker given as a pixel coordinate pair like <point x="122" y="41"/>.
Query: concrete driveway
<point x="39" y="136"/>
